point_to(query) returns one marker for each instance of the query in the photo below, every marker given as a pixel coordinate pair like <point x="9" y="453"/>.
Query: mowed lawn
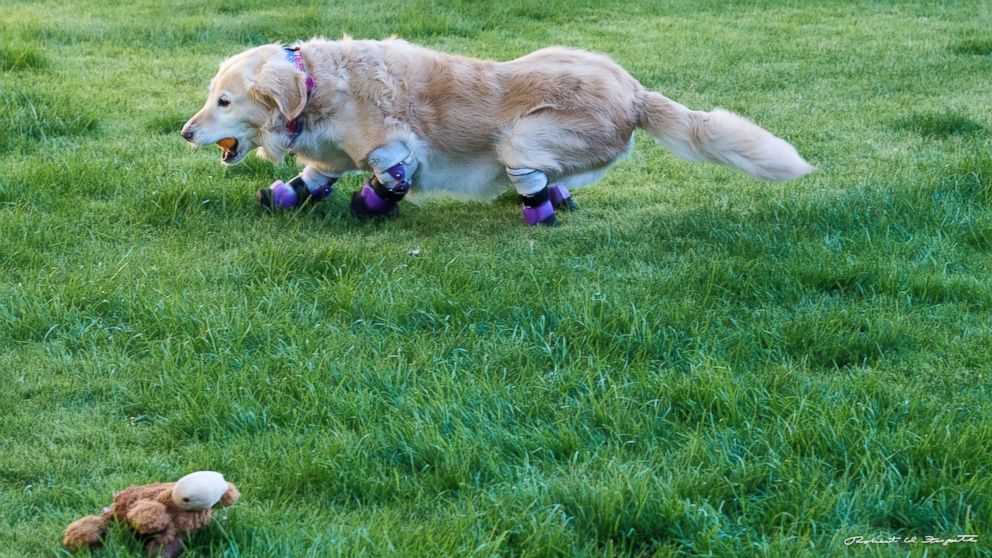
<point x="694" y="364"/>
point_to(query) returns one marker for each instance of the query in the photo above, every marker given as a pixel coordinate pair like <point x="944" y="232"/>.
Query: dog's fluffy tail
<point x="721" y="137"/>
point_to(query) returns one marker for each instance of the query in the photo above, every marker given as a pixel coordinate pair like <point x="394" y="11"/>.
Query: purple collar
<point x="294" y="56"/>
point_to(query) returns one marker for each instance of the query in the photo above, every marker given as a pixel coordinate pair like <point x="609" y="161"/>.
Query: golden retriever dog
<point x="424" y="121"/>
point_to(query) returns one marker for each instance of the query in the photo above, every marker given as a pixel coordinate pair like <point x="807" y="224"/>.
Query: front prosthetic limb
<point x="311" y="184"/>
<point x="393" y="166"/>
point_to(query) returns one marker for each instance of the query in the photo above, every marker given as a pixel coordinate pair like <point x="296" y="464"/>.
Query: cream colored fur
<point x="566" y="112"/>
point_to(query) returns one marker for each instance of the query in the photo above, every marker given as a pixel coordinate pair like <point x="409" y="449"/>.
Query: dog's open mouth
<point x="229" y="146"/>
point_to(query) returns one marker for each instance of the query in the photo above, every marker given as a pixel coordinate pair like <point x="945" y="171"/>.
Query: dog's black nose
<point x="187" y="132"/>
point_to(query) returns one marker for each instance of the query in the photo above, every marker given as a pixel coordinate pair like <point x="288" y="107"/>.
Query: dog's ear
<point x="283" y="85"/>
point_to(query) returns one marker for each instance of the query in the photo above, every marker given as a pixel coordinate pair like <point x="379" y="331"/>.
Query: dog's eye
<point x="185" y="499"/>
<point x="223" y="102"/>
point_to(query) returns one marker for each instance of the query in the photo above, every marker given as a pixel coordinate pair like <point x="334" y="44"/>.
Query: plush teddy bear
<point x="160" y="513"/>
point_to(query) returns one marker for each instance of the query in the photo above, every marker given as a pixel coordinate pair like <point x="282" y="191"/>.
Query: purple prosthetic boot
<point x="375" y="199"/>
<point x="537" y="209"/>
<point x="286" y="196"/>
<point x="560" y="198"/>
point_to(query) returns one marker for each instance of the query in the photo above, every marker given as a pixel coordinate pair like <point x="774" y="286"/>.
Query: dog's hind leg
<point x="540" y="198"/>
<point x="548" y="152"/>
<point x="532" y="185"/>
<point x="561" y="198"/>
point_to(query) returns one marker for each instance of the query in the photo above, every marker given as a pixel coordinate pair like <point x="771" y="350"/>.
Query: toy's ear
<point x="231" y="496"/>
<point x="282" y="84"/>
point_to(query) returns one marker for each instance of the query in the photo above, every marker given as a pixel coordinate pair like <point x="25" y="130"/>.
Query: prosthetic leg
<point x="393" y="166"/>
<point x="539" y="199"/>
<point x="561" y="199"/>
<point x="310" y="184"/>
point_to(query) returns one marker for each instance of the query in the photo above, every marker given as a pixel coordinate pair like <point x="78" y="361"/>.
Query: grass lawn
<point x="694" y="364"/>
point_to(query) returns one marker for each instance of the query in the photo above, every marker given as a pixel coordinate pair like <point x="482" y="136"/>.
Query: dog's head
<point x="251" y="99"/>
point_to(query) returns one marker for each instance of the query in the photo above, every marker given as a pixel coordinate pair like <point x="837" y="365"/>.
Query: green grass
<point x="694" y="364"/>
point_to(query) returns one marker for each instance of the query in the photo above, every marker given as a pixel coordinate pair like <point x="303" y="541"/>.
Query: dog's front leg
<point x="311" y="184"/>
<point x="393" y="166"/>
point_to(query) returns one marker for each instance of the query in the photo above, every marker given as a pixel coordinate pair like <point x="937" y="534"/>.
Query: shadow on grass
<point x="835" y="339"/>
<point x="978" y="47"/>
<point x="939" y="125"/>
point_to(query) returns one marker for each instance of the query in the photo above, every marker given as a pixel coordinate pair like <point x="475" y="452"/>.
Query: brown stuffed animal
<point x="161" y="513"/>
